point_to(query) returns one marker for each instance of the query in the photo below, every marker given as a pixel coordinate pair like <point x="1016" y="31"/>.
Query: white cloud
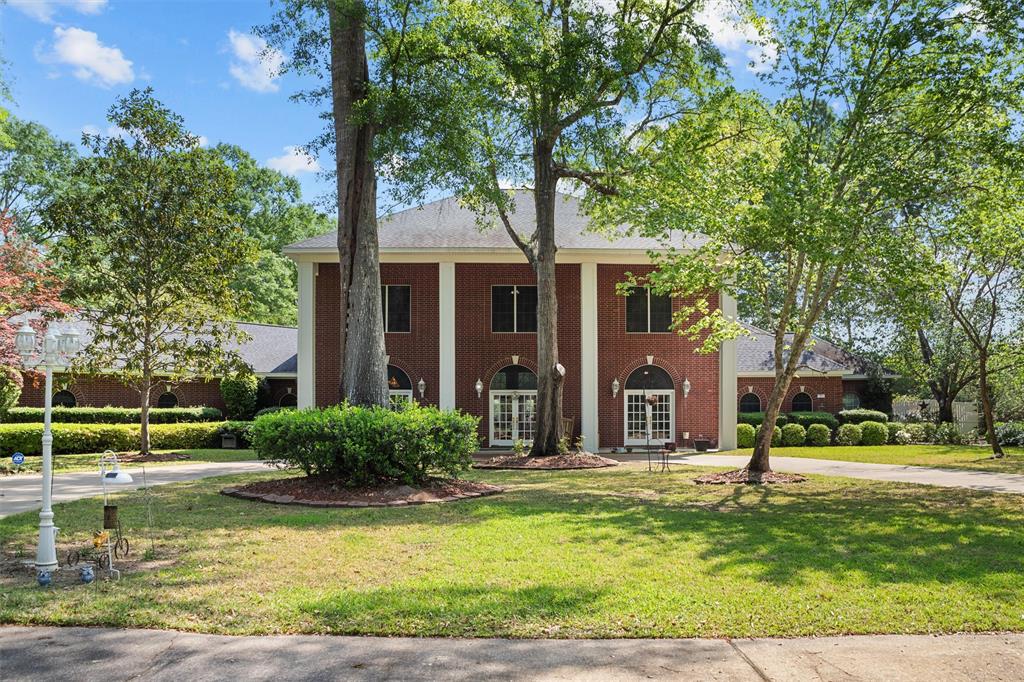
<point x="109" y="131"/>
<point x="733" y="35"/>
<point x="255" y="65"/>
<point x="203" y="140"/>
<point x="44" y="10"/>
<point x="293" y="162"/>
<point x="92" y="61"/>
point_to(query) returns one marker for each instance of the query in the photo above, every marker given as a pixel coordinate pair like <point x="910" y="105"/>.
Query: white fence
<point x="965" y="414"/>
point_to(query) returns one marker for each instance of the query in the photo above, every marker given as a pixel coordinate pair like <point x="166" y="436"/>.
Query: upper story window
<point x="513" y="308"/>
<point x="395" y="303"/>
<point x="647" y="312"/>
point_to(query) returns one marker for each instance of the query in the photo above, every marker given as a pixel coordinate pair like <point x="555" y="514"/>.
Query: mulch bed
<point x="573" y="460"/>
<point x="750" y="477"/>
<point x="314" y="491"/>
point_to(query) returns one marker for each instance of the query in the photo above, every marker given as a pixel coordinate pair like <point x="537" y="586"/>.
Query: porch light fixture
<point x="479" y="388"/>
<point x="422" y="386"/>
<point x="615" y="387"/>
<point x="686" y="387"/>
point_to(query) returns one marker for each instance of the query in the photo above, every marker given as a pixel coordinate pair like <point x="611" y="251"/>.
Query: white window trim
<point x="648" y="330"/>
<point x="384" y="303"/>
<point x="516" y="394"/>
<point x="400" y="392"/>
<point x="515" y="307"/>
<point x="670" y="392"/>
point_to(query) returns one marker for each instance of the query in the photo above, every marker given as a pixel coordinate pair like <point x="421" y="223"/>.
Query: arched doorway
<point x="399" y="386"/>
<point x="650" y="405"/>
<point x="513" y="398"/>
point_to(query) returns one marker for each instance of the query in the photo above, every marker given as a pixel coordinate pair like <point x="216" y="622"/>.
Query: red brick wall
<point x="104" y="392"/>
<point x="416" y="352"/>
<point x="480" y="353"/>
<point x="830" y="387"/>
<point x="619" y="353"/>
<point x="280" y="386"/>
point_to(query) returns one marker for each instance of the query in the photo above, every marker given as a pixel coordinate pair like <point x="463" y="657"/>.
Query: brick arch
<point x="526" y="362"/>
<point x="71" y="388"/>
<point x="281" y="392"/>
<point x="741" y="390"/>
<point x="623" y="375"/>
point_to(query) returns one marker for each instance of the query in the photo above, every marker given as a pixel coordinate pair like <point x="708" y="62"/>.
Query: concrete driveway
<point x="21" y="493"/>
<point x="46" y="653"/>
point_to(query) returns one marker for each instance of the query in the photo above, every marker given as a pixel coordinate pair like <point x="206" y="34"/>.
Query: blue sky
<point x="68" y="59"/>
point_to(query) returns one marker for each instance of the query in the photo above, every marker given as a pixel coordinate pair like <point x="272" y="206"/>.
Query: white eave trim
<point x="802" y="373"/>
<point x="479" y="255"/>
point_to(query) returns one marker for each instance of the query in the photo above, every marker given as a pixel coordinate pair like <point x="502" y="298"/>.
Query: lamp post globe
<point x="25" y="342"/>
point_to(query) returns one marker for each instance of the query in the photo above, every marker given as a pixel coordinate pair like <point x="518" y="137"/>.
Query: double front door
<point x="513" y="416"/>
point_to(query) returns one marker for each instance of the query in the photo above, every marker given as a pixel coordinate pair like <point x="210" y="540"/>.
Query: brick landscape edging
<point x="290" y="499"/>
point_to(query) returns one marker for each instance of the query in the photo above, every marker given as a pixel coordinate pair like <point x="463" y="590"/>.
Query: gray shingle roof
<point x="447" y="224"/>
<point x="756" y="353"/>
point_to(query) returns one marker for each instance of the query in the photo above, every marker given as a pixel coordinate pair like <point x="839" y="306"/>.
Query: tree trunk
<point x="361" y="338"/>
<point x="759" y="461"/>
<point x="550" y="374"/>
<point x="986" y="406"/>
<point x="146" y="389"/>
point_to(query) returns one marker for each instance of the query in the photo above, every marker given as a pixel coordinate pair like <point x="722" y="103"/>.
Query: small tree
<point x="152" y="249"/>
<point x="240" y="392"/>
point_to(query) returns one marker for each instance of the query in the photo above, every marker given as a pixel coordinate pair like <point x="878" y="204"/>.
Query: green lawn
<point x="604" y="553"/>
<point x="976" y="457"/>
<point x="67" y="463"/>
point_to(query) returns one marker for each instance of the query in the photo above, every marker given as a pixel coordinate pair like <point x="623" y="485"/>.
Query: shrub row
<point x="362" y="446"/>
<point x="88" y="438"/>
<point x="112" y="415"/>
<point x="804" y="419"/>
<point x="860" y="416"/>
<point x="872" y="433"/>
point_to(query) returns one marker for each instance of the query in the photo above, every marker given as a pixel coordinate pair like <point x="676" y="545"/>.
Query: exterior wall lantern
<point x="57" y="353"/>
<point x="422" y="386"/>
<point x="615" y="387"/>
<point x="479" y="388"/>
<point x="686" y="387"/>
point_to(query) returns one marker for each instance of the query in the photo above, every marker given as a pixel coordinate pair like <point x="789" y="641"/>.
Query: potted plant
<point x="701" y="444"/>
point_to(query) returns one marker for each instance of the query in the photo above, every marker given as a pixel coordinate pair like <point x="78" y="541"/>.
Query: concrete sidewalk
<point x="21" y="493"/>
<point x="988" y="481"/>
<point x="43" y="654"/>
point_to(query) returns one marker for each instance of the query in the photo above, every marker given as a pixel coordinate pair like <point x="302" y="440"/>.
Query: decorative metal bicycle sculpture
<point x="110" y="543"/>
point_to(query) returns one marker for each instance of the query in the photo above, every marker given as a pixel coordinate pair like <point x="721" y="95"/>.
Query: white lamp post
<point x="57" y="352"/>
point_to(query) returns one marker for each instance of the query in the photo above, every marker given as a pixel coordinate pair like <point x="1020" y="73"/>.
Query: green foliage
<point x="745" y="434"/>
<point x="805" y="419"/>
<point x="113" y="415"/>
<point x="902" y="438"/>
<point x="894" y="428"/>
<point x="89" y="438"/>
<point x="363" y="446"/>
<point x="32" y="170"/>
<point x="848" y="434"/>
<point x="239" y="391"/>
<point x="757" y="418"/>
<point x="270" y="410"/>
<point x="819" y="435"/>
<point x="1010" y="433"/>
<point x="947" y="433"/>
<point x="858" y="416"/>
<point x="11" y="384"/>
<point x="793" y="435"/>
<point x="873" y="433"/>
<point x="776" y="436"/>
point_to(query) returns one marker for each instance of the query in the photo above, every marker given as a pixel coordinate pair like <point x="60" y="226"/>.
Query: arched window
<point x="288" y="400"/>
<point x="750" y="402"/>
<point x="851" y="401"/>
<point x="399" y="385"/>
<point x="649" y="377"/>
<point x="64" y="399"/>
<point x="167" y="399"/>
<point x="802" y="403"/>
<point x="514" y="378"/>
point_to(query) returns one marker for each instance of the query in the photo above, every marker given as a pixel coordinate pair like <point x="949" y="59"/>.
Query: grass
<point x="976" y="457"/>
<point x="609" y="553"/>
<point x="89" y="462"/>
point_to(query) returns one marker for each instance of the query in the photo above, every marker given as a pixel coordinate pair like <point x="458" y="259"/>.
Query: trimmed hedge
<point x="363" y="446"/>
<point x="894" y="428"/>
<point x="805" y="419"/>
<point x="744" y="436"/>
<point x="793" y="435"/>
<point x="873" y="433"/>
<point x="818" y="435"/>
<point x="1010" y="433"/>
<point x="755" y="419"/>
<point x="848" y="434"/>
<point x="113" y="415"/>
<point x="71" y="439"/>
<point x="861" y="415"/>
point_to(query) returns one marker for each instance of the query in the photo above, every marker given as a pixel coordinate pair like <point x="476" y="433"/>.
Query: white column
<point x="446" y="338"/>
<point x="307" y="335"/>
<point x="588" y="356"/>
<point x="727" y="382"/>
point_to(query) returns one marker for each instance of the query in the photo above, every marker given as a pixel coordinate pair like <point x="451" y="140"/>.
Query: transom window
<point x="750" y="403"/>
<point x="166" y="400"/>
<point x="395" y="303"/>
<point x="802" y="403"/>
<point x="514" y="378"/>
<point x="647" y="312"/>
<point x="399" y="385"/>
<point x="513" y="308"/>
<point x="650" y="377"/>
<point x="64" y="399"/>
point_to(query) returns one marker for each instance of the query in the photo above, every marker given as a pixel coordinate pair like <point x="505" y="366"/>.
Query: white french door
<point x="662" y="417"/>
<point x="513" y="417"/>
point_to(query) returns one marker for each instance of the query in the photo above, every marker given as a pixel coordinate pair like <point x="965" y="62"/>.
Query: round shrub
<point x="745" y="436"/>
<point x="818" y="435"/>
<point x="1010" y="433"/>
<point x="930" y="429"/>
<point x="10" y="388"/>
<point x="240" y="391"/>
<point x="805" y="419"/>
<point x="756" y="418"/>
<point x="848" y="434"/>
<point x="860" y="416"/>
<point x="793" y="435"/>
<point x="894" y="428"/>
<point x="915" y="431"/>
<point x="902" y="438"/>
<point x="364" y="446"/>
<point x="947" y="433"/>
<point x="873" y="433"/>
<point x="776" y="436"/>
